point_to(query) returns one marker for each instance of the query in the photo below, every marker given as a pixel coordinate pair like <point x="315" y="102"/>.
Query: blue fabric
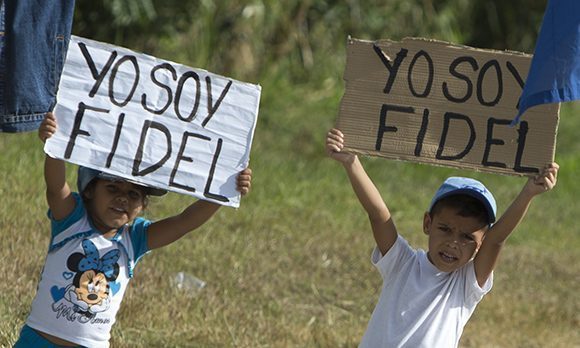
<point x="554" y="74"/>
<point x="57" y="226"/>
<point x="31" y="339"/>
<point x="32" y="53"/>
<point x="139" y="237"/>
<point x="137" y="233"/>
<point x="458" y="185"/>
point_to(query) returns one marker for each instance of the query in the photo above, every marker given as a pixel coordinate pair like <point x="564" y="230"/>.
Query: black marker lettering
<point x="133" y="60"/>
<point x="422" y="132"/>
<point x="99" y="77"/>
<point x="383" y="119"/>
<point x="211" y="109"/>
<point x="115" y="140"/>
<point x="167" y="89"/>
<point x="522" y="132"/>
<point x="139" y="155"/>
<point x="469" y="85"/>
<point x="206" y="192"/>
<point x="515" y="74"/>
<point x="181" y="157"/>
<point x="180" y="84"/>
<point x="492" y="63"/>
<point x="393" y="69"/>
<point x="447" y="118"/>
<point x="489" y="141"/>
<point x="429" y="61"/>
<point x="76" y="131"/>
<point x="518" y="78"/>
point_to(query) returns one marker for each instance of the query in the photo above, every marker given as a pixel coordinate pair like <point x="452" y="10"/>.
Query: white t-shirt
<point x="84" y="278"/>
<point x="419" y="305"/>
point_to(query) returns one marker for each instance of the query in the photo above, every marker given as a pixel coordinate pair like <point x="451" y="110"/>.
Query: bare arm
<point x="488" y="255"/>
<point x="384" y="230"/>
<point x="167" y="231"/>
<point x="58" y="193"/>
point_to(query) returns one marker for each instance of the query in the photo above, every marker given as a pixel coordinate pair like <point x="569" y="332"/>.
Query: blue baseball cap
<point x="86" y="175"/>
<point x="467" y="186"/>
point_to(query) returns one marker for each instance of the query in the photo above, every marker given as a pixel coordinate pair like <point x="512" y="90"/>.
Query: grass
<point x="291" y="268"/>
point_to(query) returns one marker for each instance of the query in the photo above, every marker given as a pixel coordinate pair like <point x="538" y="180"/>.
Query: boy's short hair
<point x="463" y="205"/>
<point x="87" y="175"/>
<point x="465" y="195"/>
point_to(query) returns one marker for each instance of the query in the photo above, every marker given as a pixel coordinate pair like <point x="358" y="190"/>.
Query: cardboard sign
<point x="153" y="121"/>
<point x="437" y="103"/>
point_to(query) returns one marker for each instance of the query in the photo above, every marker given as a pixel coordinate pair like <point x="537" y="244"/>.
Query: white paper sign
<point x="153" y="121"/>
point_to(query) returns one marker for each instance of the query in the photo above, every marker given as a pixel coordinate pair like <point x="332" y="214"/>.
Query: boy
<point x="427" y="297"/>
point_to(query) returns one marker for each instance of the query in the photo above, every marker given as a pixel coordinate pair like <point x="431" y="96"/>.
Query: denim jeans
<point x="34" y="36"/>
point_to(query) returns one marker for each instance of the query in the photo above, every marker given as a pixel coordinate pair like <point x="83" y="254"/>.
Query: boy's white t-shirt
<point x="83" y="309"/>
<point x="419" y="305"/>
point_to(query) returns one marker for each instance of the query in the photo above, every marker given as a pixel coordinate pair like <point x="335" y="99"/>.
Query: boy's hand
<point x="334" y="146"/>
<point x="545" y="181"/>
<point x="244" y="181"/>
<point x="47" y="127"/>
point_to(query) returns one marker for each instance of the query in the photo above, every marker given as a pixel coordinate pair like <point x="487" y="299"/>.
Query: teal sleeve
<point x="57" y="226"/>
<point x="139" y="237"/>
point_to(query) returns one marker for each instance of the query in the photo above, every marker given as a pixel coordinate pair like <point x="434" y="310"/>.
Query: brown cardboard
<point x="443" y="104"/>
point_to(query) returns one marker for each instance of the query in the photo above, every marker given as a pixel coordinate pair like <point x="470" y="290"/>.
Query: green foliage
<point x="304" y="39"/>
<point x="291" y="268"/>
<point x="505" y="25"/>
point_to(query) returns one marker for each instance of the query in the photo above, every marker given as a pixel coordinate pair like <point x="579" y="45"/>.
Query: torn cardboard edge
<point x="438" y="103"/>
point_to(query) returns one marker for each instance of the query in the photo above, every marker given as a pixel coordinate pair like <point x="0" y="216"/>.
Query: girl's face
<point x="453" y="239"/>
<point x="113" y="204"/>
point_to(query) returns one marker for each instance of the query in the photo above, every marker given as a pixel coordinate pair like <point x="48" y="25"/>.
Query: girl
<point x="96" y="240"/>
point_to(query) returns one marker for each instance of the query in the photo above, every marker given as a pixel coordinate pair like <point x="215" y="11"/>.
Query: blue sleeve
<point x="57" y="226"/>
<point x="139" y="237"/>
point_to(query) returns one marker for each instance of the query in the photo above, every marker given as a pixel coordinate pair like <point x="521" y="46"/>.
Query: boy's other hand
<point x="334" y="146"/>
<point x="47" y="127"/>
<point x="244" y="181"/>
<point x="545" y="181"/>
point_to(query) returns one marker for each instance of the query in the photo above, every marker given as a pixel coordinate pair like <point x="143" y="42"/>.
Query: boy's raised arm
<point x="167" y="231"/>
<point x="384" y="230"/>
<point x="486" y="259"/>
<point x="58" y="193"/>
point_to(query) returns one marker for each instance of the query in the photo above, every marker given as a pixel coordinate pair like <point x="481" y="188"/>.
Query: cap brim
<point x="152" y="191"/>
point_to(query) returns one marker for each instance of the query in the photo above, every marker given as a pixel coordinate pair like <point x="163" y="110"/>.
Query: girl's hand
<point x="244" y="181"/>
<point x="334" y="146"/>
<point x="47" y="127"/>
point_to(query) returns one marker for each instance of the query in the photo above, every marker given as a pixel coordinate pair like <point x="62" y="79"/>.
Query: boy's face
<point x="113" y="204"/>
<point x="453" y="239"/>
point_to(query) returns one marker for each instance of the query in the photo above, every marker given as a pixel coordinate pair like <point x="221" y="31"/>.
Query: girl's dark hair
<point x="91" y="187"/>
<point x="464" y="205"/>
